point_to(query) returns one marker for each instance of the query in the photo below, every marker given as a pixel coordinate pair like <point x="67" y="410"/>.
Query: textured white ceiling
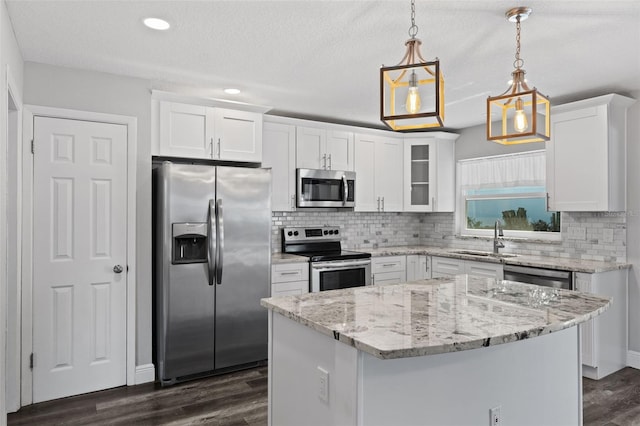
<point x="321" y="59"/>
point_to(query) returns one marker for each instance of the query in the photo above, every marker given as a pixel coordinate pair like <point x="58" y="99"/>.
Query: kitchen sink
<point x="483" y="253"/>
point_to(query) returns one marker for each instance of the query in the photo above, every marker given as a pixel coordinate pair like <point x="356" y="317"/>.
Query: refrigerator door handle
<point x="220" y="233"/>
<point x="212" y="236"/>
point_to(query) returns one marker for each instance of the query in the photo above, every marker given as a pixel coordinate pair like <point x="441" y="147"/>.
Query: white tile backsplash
<point x="589" y="236"/>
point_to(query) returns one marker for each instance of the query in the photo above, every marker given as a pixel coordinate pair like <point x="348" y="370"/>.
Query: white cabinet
<point x="586" y="156"/>
<point x="186" y="130"/>
<point x="326" y="149"/>
<point x="238" y="135"/>
<point x="279" y="153"/>
<point x="604" y="339"/>
<point x="447" y="267"/>
<point x="289" y="278"/>
<point x="418" y="267"/>
<point x="197" y="131"/>
<point x="429" y="172"/>
<point x="388" y="270"/>
<point x="378" y="170"/>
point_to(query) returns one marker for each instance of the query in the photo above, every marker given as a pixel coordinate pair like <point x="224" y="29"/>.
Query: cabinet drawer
<point x="389" y="264"/>
<point x="442" y="266"/>
<point x="484" y="269"/>
<point x="290" y="288"/>
<point x="289" y="272"/>
<point x="396" y="277"/>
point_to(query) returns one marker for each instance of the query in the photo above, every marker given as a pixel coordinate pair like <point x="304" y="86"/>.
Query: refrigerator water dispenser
<point x="189" y="242"/>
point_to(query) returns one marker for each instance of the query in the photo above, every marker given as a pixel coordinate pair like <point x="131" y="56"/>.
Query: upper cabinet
<point x="429" y="172"/>
<point x="279" y="143"/>
<point x="324" y="148"/>
<point x="586" y="156"/>
<point x="198" y="128"/>
<point x="378" y="170"/>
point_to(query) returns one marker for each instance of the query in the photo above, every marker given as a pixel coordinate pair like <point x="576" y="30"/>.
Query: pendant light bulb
<point x="520" y="122"/>
<point x="413" y="102"/>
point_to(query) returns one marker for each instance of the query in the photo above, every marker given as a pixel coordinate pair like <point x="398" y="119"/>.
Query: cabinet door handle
<point x="388" y="265"/>
<point x="378" y="203"/>
<point x="293" y="202"/>
<point x="324" y="161"/>
<point x="329" y="161"/>
<point x="219" y="152"/>
<point x="211" y="147"/>
<point x="290" y="273"/>
<point x="382" y="203"/>
<point x="373" y="279"/>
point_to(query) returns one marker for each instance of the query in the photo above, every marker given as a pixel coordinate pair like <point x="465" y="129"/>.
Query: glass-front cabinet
<point x="429" y="166"/>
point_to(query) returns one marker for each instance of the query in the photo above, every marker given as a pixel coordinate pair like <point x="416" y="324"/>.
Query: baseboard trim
<point x="633" y="359"/>
<point x="147" y="373"/>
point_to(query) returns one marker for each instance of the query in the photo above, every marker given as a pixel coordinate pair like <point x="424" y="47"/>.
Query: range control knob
<point x="295" y="233"/>
<point x="289" y="233"/>
<point x="326" y="232"/>
<point x="331" y="232"/>
<point x="336" y="232"/>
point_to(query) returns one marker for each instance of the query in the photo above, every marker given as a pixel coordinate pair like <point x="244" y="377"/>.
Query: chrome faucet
<point x="497" y="232"/>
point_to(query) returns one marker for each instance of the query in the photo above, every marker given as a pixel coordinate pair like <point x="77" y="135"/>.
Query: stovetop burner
<point x="319" y="244"/>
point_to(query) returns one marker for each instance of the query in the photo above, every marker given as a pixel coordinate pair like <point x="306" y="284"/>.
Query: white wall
<point x="47" y="85"/>
<point x="11" y="65"/>
<point x="633" y="220"/>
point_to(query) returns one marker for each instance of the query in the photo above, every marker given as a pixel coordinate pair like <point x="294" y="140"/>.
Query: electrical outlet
<point x="323" y="384"/>
<point x="494" y="414"/>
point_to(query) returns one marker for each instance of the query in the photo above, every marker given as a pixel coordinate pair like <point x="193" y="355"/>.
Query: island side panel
<point x="535" y="382"/>
<point x="296" y="352"/>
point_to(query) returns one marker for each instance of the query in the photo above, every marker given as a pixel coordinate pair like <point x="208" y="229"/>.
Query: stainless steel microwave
<point x="325" y="188"/>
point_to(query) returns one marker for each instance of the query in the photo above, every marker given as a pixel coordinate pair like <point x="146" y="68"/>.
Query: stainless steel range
<point x="331" y="267"/>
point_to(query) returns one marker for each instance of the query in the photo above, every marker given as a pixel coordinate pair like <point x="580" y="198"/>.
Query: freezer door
<point x="185" y="300"/>
<point x="244" y="215"/>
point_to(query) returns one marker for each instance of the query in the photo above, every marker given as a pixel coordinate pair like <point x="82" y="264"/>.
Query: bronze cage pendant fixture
<point x="524" y="113"/>
<point x="412" y="92"/>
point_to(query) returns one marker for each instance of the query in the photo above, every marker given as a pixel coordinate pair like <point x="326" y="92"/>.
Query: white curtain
<point x="522" y="169"/>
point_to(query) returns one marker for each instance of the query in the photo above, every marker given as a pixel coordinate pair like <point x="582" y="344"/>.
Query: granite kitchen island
<point x="433" y="352"/>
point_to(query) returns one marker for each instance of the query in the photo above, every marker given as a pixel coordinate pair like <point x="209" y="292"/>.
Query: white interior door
<point x="79" y="300"/>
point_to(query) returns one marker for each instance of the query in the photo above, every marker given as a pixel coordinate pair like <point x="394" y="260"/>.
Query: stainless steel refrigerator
<point x="213" y="254"/>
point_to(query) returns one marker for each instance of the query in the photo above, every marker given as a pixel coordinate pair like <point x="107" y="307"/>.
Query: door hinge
<point x="31" y="360"/>
<point x="32" y="147"/>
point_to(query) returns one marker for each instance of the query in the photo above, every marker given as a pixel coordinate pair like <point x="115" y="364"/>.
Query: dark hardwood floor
<point x="233" y="399"/>
<point x="240" y="399"/>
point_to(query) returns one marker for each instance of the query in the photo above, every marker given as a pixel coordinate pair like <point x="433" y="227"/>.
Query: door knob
<point x="117" y="269"/>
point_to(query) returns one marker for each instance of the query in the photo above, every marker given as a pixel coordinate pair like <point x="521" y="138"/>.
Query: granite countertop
<point x="287" y="258"/>
<point x="574" y="265"/>
<point x="438" y="316"/>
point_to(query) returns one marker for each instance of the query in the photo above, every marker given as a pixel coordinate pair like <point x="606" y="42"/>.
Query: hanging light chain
<point x="518" y="63"/>
<point x="413" y="29"/>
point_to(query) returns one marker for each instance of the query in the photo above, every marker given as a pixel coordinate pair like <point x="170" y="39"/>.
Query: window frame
<point x="461" y="216"/>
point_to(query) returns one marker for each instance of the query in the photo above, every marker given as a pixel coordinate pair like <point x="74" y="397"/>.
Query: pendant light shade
<point x="412" y="92"/>
<point x="520" y="114"/>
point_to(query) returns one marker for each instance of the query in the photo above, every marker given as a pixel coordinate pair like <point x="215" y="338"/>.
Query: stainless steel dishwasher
<point x="545" y="277"/>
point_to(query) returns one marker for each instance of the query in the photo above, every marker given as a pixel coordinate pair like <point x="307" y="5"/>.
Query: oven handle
<point x="339" y="265"/>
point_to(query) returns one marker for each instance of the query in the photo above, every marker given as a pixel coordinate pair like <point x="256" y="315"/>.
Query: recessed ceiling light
<point x="157" y="24"/>
<point x="232" y="91"/>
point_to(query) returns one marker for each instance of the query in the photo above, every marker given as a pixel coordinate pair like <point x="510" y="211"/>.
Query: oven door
<point x="339" y="274"/>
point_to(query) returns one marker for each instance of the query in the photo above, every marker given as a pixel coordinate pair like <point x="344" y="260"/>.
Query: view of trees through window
<point x="519" y="209"/>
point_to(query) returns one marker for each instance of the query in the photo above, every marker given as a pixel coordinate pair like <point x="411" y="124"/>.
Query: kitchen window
<point x="509" y="188"/>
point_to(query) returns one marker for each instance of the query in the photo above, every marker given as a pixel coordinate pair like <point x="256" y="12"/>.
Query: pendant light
<point x="524" y="113"/>
<point x="412" y="92"/>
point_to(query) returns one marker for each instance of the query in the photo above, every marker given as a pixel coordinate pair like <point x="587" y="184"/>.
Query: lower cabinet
<point x="289" y="278"/>
<point x="604" y="339"/>
<point x="418" y="267"/>
<point x="447" y="267"/>
<point x="389" y="270"/>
